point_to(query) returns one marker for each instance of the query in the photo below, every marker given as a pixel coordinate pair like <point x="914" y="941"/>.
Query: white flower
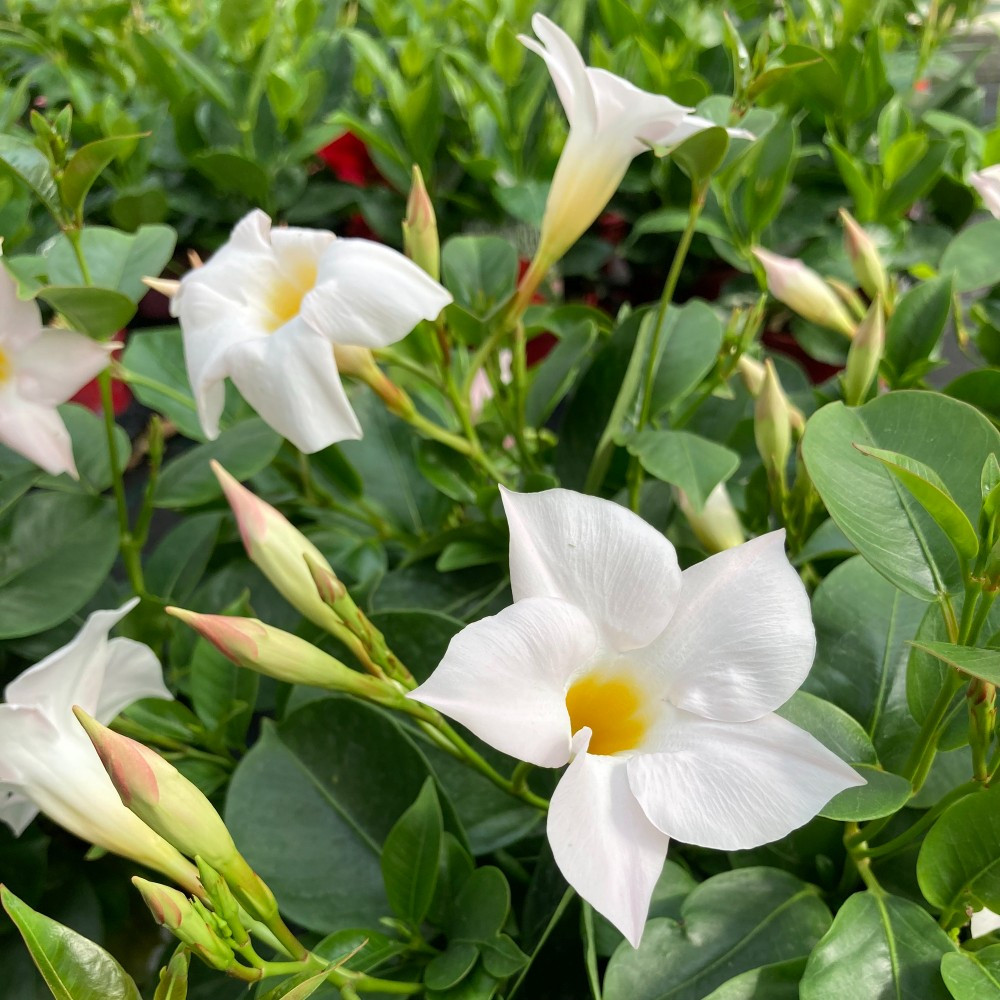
<point x="610" y="123"/>
<point x="657" y="686"/>
<point x="39" y="369"/>
<point x="984" y="922"/>
<point x="268" y="310"/>
<point x="987" y="183"/>
<point x="47" y="762"/>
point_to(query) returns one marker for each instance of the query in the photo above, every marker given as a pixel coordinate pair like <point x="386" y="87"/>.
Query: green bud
<point x="420" y="233"/>
<point x="865" y="355"/>
<point x="772" y="425"/>
<point x="865" y="259"/>
<point x="223" y="901"/>
<point x="173" y="983"/>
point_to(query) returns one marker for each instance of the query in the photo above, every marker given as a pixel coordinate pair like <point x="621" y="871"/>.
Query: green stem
<point x="590" y="953"/>
<point x="134" y="378"/>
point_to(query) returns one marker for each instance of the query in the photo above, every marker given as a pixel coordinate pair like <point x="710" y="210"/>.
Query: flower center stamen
<point x="613" y="707"/>
<point x="285" y="297"/>
<point x="6" y="368"/>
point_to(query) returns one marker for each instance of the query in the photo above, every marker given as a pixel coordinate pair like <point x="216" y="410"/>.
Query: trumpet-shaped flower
<point x="39" y="369"/>
<point x="987" y="183"/>
<point x="47" y="763"/>
<point x="270" y="308"/>
<point x="610" y="123"/>
<point x="657" y="687"/>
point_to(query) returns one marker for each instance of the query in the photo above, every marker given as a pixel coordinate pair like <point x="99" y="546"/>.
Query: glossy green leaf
<point x="972" y="975"/>
<point x="235" y="174"/>
<point x="884" y="794"/>
<point x="26" y="163"/>
<point x="244" y="450"/>
<point x="479" y="271"/>
<point x="972" y="256"/>
<point x="832" y="726"/>
<point x="481" y="907"/>
<point x="878" y="946"/>
<point x="73" y="967"/>
<point x="890" y="529"/>
<point x="173" y="984"/>
<point x="178" y="563"/>
<point x="981" y="663"/>
<point x="58" y="549"/>
<point x="299" y="988"/>
<point x="733" y="922"/>
<point x="85" y="166"/>
<point x="448" y="471"/>
<point x="779" y="981"/>
<point x="97" y="312"/>
<point x="914" y="330"/>
<point x="932" y="494"/>
<point x="701" y="154"/>
<point x="696" y="464"/>
<point x="452" y="966"/>
<point x="959" y="860"/>
<point x="502" y="957"/>
<point x="411" y="855"/>
<point x="981" y="388"/>
<point x="691" y="338"/>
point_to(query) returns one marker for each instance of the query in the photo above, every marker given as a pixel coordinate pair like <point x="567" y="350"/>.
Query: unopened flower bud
<point x="804" y="291"/>
<point x="173" y="980"/>
<point x="772" y="425"/>
<point x="865" y="258"/>
<point x="717" y="525"/>
<point x="849" y="297"/>
<point x="177" y="810"/>
<point x="223" y="901"/>
<point x="752" y="373"/>
<point x="187" y="922"/>
<point x="277" y="548"/>
<point x="420" y="233"/>
<point x="865" y="355"/>
<point x="359" y="362"/>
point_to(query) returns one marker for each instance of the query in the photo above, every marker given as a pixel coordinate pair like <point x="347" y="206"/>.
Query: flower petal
<point x="618" y="570"/>
<point x="604" y="845"/>
<point x="57" y="364"/>
<point x="131" y="672"/>
<point x="623" y="107"/>
<point x="75" y="674"/>
<point x="987" y="183"/>
<point x="370" y="295"/>
<point x="731" y="786"/>
<point x="568" y="71"/>
<point x="37" y="432"/>
<point x="19" y="321"/>
<point x="16" y="810"/>
<point x="741" y="640"/>
<point x="505" y="678"/>
<point x="291" y="380"/>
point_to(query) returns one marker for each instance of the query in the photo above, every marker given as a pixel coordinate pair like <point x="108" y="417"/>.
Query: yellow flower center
<point x="284" y="299"/>
<point x="6" y="368"/>
<point x="613" y="707"/>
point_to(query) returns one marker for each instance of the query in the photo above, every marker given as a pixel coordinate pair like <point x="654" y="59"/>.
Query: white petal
<point x="369" y="295"/>
<point x="984" y="922"/>
<point x="621" y="106"/>
<point x="37" y="432"/>
<point x="987" y="183"/>
<point x="57" y="364"/>
<point x="602" y="841"/>
<point x="618" y="570"/>
<point x="291" y="380"/>
<point x="132" y="672"/>
<point x="19" y="321"/>
<point x="16" y="810"/>
<point x="741" y="640"/>
<point x="731" y="786"/>
<point x="505" y="678"/>
<point x="568" y="71"/>
<point x="75" y="674"/>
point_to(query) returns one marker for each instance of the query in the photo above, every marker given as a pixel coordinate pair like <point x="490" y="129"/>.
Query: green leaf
<point x="479" y="271"/>
<point x="481" y="907"/>
<point x="411" y="854"/>
<point x="981" y="388"/>
<point x="73" y="967"/>
<point x="878" y="946"/>
<point x="233" y="173"/>
<point x="178" y="564"/>
<point x="85" y="166"/>
<point x="448" y="471"/>
<point x="981" y="663"/>
<point x="695" y="464"/>
<point x="58" y="549"/>
<point x="691" y="339"/>
<point x="972" y="975"/>
<point x="25" y="162"/>
<point x="452" y="966"/>
<point x="914" y="329"/>
<point x="733" y="922"/>
<point x="97" y="312"/>
<point x="932" y="494"/>
<point x="701" y="154"/>
<point x="972" y="256"/>
<point x="173" y="984"/>
<point x="312" y="803"/>
<point x="959" y="860"/>
<point x="299" y="987"/>
<point x="890" y="529"/>
<point x="243" y="450"/>
<point x="884" y="794"/>
<point x="501" y="957"/>
<point x="779" y="981"/>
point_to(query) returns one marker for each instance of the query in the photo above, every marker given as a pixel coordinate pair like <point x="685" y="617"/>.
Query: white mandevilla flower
<point x="40" y="368"/>
<point x="47" y="762"/>
<point x="987" y="183"/>
<point x="610" y="123"/>
<point x="269" y="310"/>
<point x="984" y="922"/>
<point x="658" y="687"/>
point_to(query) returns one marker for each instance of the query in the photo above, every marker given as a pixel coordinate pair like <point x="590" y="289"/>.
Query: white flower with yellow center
<point x="611" y="121"/>
<point x="658" y="687"/>
<point x="271" y="307"/>
<point x="47" y="762"/>
<point x="39" y="369"/>
<point x="987" y="183"/>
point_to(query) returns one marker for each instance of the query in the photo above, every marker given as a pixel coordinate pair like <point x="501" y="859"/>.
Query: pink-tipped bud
<point x="752" y="374"/>
<point x="865" y="258"/>
<point x="257" y="646"/>
<point x="772" y="425"/>
<point x="278" y="549"/>
<point x="717" y="525"/>
<point x="804" y="292"/>
<point x="865" y="355"/>
<point x="187" y="921"/>
<point x="420" y="233"/>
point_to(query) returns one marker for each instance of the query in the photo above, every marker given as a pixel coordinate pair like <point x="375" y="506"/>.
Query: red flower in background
<point x="348" y="158"/>
<point x="121" y="396"/>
